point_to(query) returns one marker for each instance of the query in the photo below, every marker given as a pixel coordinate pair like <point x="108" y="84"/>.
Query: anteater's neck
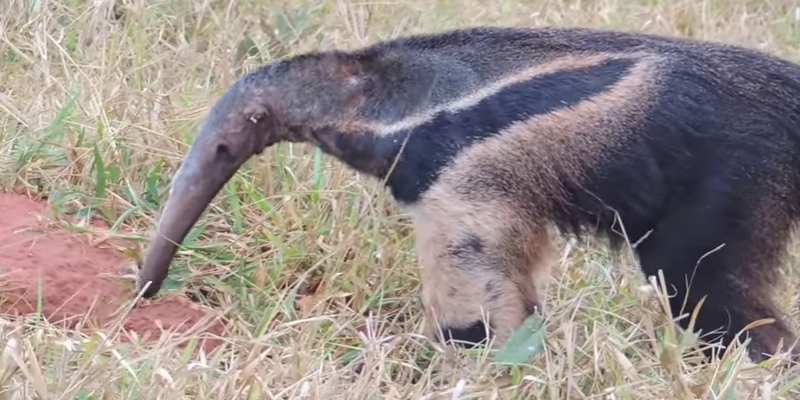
<point x="365" y="151"/>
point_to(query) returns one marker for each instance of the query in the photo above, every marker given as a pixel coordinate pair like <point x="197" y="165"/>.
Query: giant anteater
<point x="495" y="139"/>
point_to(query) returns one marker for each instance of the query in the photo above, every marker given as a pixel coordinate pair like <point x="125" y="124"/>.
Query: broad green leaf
<point x="524" y="343"/>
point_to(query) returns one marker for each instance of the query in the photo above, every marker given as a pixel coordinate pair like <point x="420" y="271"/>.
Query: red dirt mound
<point x="77" y="278"/>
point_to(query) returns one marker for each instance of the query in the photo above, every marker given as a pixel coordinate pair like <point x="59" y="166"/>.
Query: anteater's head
<point x="287" y="101"/>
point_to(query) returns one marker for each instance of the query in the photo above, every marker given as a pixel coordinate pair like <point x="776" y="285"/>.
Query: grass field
<point x="310" y="263"/>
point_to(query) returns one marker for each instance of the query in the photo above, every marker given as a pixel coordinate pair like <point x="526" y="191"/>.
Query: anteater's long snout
<point x="195" y="185"/>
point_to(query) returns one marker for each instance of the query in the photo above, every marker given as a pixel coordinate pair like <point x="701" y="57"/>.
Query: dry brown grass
<point x="123" y="84"/>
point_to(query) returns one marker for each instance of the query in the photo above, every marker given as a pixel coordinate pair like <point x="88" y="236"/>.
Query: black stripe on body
<point x="433" y="145"/>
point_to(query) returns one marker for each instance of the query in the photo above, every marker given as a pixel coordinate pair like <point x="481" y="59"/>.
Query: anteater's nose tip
<point x="146" y="287"/>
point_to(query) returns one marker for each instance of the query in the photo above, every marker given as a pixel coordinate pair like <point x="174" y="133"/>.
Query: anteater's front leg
<point x="481" y="263"/>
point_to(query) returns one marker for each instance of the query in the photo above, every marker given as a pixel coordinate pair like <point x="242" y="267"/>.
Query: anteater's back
<point x="467" y="59"/>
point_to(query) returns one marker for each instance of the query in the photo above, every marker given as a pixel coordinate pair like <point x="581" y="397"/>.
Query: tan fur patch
<point x="503" y="284"/>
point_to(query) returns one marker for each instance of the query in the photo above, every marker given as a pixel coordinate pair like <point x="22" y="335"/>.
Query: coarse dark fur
<point x="496" y="139"/>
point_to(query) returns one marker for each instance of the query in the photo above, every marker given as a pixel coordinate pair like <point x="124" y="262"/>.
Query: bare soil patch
<point x="79" y="280"/>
